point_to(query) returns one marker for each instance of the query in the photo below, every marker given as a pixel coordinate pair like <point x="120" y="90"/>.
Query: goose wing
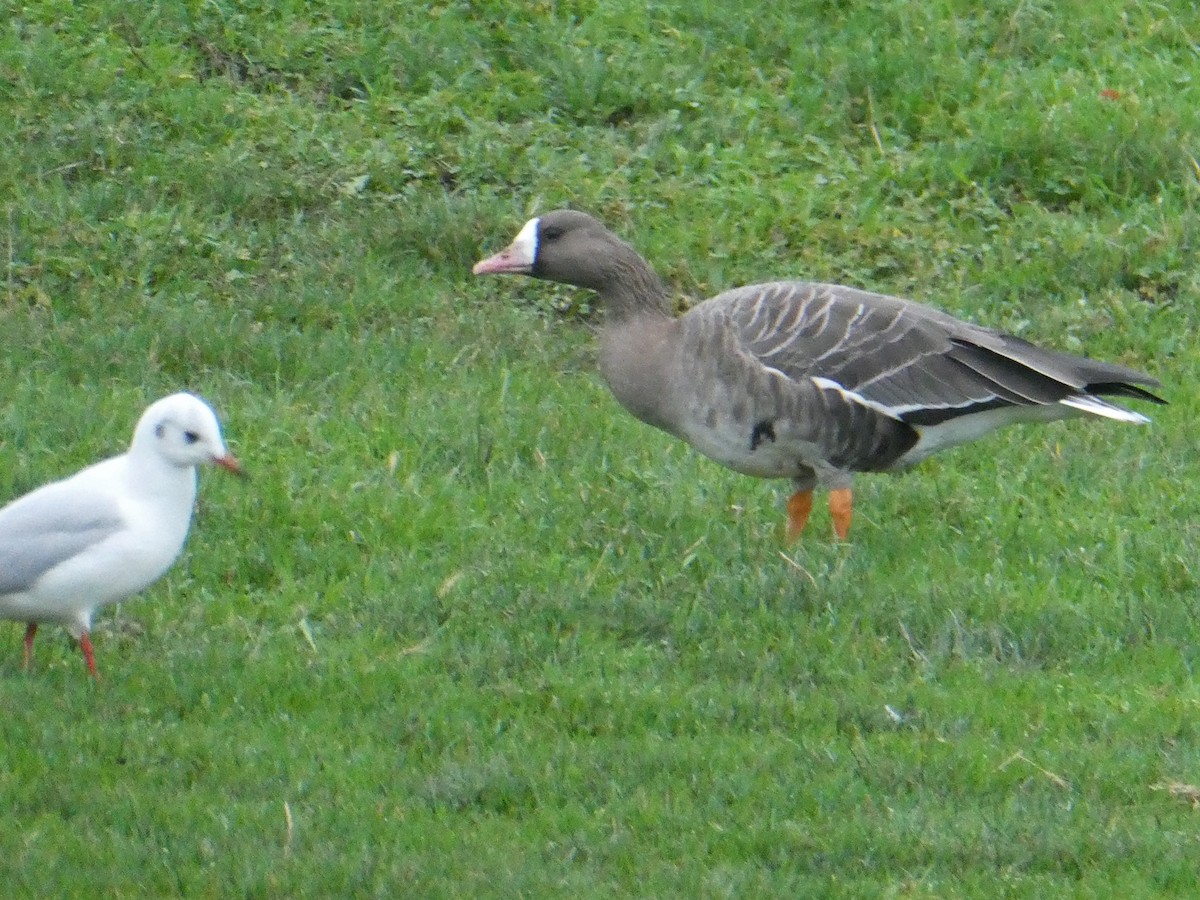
<point x="909" y="361"/>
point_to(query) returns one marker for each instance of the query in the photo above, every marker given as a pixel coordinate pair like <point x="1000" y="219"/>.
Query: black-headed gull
<point x="110" y="530"/>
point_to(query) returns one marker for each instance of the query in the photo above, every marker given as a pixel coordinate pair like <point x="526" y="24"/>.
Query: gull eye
<point x="190" y="437"/>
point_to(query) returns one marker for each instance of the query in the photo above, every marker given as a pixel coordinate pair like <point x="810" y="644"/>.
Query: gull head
<point x="183" y="430"/>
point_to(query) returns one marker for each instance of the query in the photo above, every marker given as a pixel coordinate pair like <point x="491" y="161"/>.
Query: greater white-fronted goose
<point x="812" y="382"/>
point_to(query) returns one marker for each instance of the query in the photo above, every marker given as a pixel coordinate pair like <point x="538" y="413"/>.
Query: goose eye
<point x="190" y="437"/>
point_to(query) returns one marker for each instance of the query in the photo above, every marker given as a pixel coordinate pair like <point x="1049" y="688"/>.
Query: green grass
<point x="470" y="630"/>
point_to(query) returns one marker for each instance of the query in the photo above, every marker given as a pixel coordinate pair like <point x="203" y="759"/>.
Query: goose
<point x="807" y="381"/>
<point x="110" y="530"/>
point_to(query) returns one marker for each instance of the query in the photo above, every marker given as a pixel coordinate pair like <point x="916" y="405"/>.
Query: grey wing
<point x="907" y="360"/>
<point x="49" y="526"/>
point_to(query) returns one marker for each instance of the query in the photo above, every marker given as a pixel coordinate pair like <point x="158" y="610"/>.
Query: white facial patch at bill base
<point x="515" y="259"/>
<point x="524" y="247"/>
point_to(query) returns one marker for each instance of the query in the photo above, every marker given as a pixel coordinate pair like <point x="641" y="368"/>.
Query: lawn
<point x="469" y="629"/>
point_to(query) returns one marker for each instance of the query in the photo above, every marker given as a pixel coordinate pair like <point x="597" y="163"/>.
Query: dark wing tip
<point x="1123" y="389"/>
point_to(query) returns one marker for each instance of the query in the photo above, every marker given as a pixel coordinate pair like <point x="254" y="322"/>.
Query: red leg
<point x="30" y="633"/>
<point x="799" y="505"/>
<point x="89" y="655"/>
<point x="841" y="502"/>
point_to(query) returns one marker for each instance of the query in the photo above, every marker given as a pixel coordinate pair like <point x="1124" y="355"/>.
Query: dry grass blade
<point x="799" y="568"/>
<point x="1057" y="780"/>
<point x="288" y="828"/>
<point x="1182" y="790"/>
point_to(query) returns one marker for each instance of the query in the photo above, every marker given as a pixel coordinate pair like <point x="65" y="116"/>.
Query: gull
<point x="110" y="530"/>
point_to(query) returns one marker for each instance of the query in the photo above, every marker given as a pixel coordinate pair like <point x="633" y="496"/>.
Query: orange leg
<point x="30" y="632"/>
<point x="89" y="655"/>
<point x="799" y="505"/>
<point x="841" y="501"/>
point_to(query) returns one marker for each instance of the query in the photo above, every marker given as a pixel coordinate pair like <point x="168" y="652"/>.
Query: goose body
<point x="110" y="530"/>
<point x="808" y="381"/>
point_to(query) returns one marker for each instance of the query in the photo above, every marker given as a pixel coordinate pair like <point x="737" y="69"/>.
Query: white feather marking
<point x="1094" y="405"/>
<point x="963" y="429"/>
<point x="525" y="244"/>
<point x="827" y="384"/>
<point x="969" y="427"/>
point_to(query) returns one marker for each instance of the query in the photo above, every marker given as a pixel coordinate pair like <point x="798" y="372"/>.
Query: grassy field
<point x="471" y="630"/>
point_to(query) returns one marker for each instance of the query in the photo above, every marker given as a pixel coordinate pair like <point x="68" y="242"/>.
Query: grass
<point x="473" y="631"/>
